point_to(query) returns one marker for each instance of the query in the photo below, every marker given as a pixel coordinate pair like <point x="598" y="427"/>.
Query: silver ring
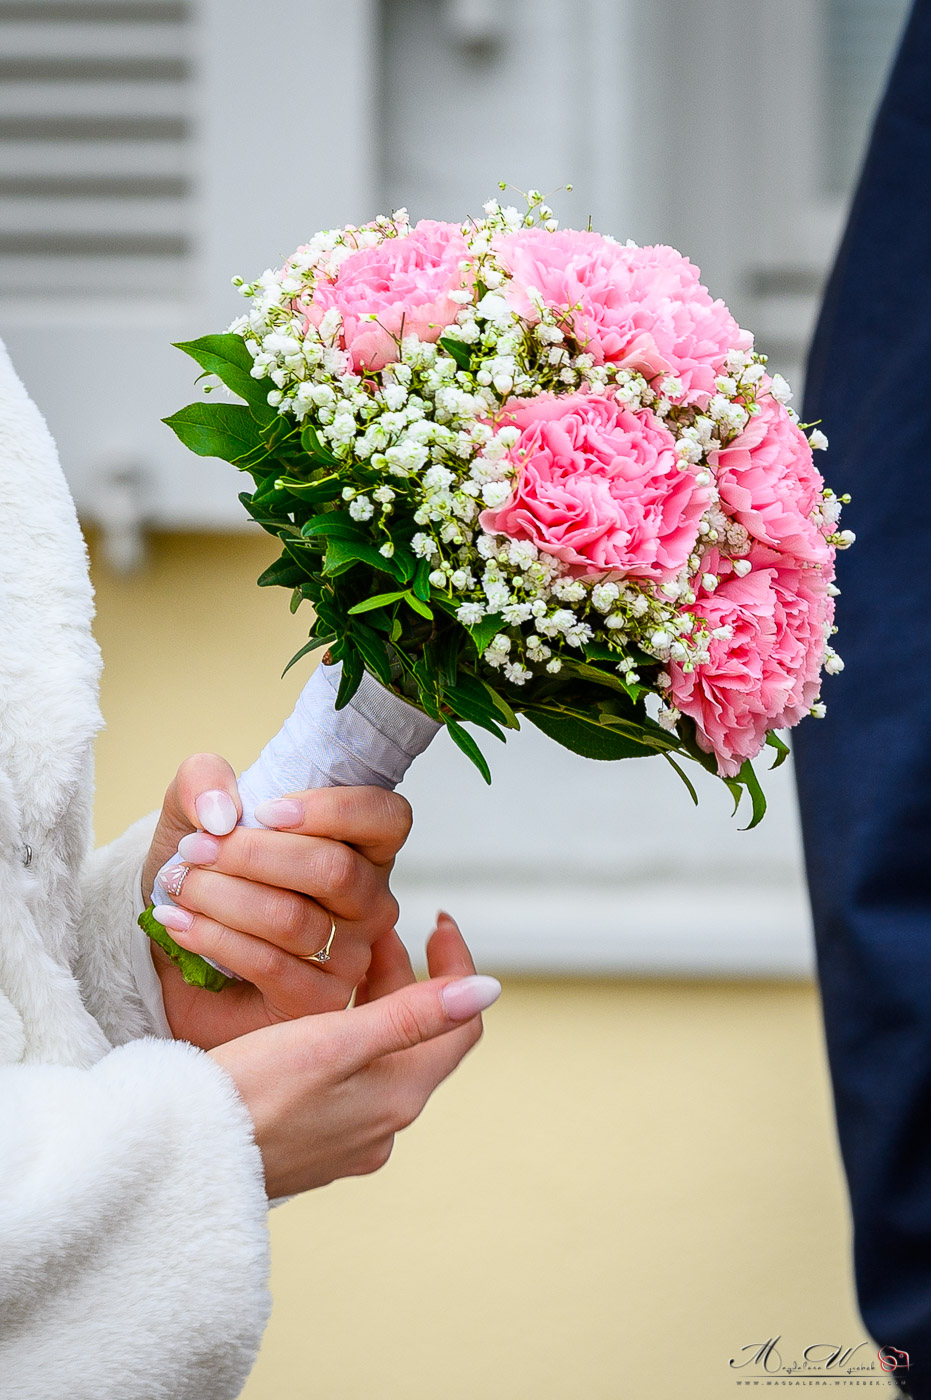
<point x="322" y="955"/>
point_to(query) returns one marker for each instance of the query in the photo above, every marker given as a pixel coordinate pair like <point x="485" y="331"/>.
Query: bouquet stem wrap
<point x="371" y="742"/>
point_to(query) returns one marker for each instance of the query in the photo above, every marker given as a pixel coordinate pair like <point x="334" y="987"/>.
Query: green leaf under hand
<point x="195" y="971"/>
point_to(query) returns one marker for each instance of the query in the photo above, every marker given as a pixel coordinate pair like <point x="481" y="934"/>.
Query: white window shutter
<point x="149" y="150"/>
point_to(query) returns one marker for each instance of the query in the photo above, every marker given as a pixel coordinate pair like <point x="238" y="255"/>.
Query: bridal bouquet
<point x="518" y="470"/>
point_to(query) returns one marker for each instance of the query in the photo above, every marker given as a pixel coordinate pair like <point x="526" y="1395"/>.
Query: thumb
<point x="203" y="795"/>
<point x="416" y="1013"/>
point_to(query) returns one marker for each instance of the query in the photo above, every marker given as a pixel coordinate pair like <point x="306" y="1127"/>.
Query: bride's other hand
<point x="261" y="902"/>
<point x="328" y="1094"/>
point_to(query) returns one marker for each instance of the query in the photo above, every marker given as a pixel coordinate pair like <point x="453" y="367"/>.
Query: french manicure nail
<point x="199" y="848"/>
<point x="172" y="917"/>
<point x="216" y="812"/>
<point x="470" y="995"/>
<point x="284" y="811"/>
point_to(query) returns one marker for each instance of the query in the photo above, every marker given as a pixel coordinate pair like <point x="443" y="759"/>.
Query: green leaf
<point x="351" y="677"/>
<point x="458" y="350"/>
<point x="337" y="524"/>
<point x="474" y="692"/>
<point x="752" y="783"/>
<point x="775" y="741"/>
<point x="224" y="430"/>
<point x="484" y="632"/>
<point x="735" y="790"/>
<point x="315" y="447"/>
<point x="228" y="358"/>
<point x="314" y="644"/>
<point x="683" y="775"/>
<point x="325" y="488"/>
<point x="379" y="601"/>
<point x="476" y="709"/>
<point x="195" y="971"/>
<point x="421" y="584"/>
<point x="343" y="554"/>
<point x="587" y="737"/>
<point x="594" y="673"/>
<point x="374" y="653"/>
<point x="405" y="563"/>
<point x="463" y="739"/>
<point x="418" y="606"/>
<point x="284" y="573"/>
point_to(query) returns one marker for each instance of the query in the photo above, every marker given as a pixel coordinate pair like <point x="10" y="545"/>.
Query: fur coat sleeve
<point x="133" y="1239"/>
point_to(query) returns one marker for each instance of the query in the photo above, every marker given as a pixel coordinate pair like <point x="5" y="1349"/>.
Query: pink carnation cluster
<point x="598" y="487"/>
<point x="644" y="308"/>
<point x="766" y="674"/>
<point x="399" y="287"/>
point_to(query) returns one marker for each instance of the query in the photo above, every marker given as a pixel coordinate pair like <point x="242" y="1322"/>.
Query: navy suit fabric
<point x="864" y="773"/>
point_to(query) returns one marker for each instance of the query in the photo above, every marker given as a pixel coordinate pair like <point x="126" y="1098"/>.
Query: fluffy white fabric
<point x="133" y="1240"/>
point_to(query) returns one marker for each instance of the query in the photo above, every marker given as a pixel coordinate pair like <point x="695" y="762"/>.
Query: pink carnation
<point x="404" y="282"/>
<point x="641" y="307"/>
<point x="768" y="674"/>
<point x="599" y="487"/>
<point x="769" y="483"/>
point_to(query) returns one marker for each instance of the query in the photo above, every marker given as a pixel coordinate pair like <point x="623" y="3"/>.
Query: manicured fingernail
<point x="172" y="917"/>
<point x="470" y="995"/>
<point x="173" y="878"/>
<point x="199" y="848"/>
<point x="284" y="811"/>
<point x="216" y="812"/>
<point x="443" y="918"/>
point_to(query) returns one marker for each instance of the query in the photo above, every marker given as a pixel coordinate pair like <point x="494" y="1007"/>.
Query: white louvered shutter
<point x="149" y="149"/>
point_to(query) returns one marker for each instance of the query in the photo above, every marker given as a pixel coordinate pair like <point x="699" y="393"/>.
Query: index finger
<point x="374" y="820"/>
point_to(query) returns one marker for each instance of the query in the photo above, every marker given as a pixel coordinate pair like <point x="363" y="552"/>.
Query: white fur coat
<point x="133" y="1239"/>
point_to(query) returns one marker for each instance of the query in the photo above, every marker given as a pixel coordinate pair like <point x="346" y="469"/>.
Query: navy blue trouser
<point x="864" y="773"/>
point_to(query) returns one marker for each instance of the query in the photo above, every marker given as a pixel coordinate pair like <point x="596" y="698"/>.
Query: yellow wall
<point x="626" y="1183"/>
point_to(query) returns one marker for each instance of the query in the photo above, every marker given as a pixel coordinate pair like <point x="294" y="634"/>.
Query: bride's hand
<point x="328" y="1094"/>
<point x="260" y="902"/>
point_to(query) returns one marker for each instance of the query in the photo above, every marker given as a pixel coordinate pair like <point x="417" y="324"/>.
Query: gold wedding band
<point x="322" y="955"/>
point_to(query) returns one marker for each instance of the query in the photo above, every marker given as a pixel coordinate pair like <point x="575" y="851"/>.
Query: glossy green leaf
<point x="587" y="737"/>
<point x="463" y="740"/>
<point x="750" y="781"/>
<point x="228" y="358"/>
<point x="343" y="554"/>
<point x="224" y="430"/>
<point x="485" y="631"/>
<point x="683" y="775"/>
<point x="775" y="741"/>
<point x="458" y="350"/>
<point x="380" y="600"/>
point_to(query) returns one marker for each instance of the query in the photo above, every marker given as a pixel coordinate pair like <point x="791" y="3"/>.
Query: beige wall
<point x="626" y="1183"/>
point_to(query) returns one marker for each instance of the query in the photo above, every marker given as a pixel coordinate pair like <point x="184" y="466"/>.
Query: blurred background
<point x="636" y="1176"/>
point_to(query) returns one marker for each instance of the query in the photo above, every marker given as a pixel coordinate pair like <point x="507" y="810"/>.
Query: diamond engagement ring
<point x="322" y="955"/>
